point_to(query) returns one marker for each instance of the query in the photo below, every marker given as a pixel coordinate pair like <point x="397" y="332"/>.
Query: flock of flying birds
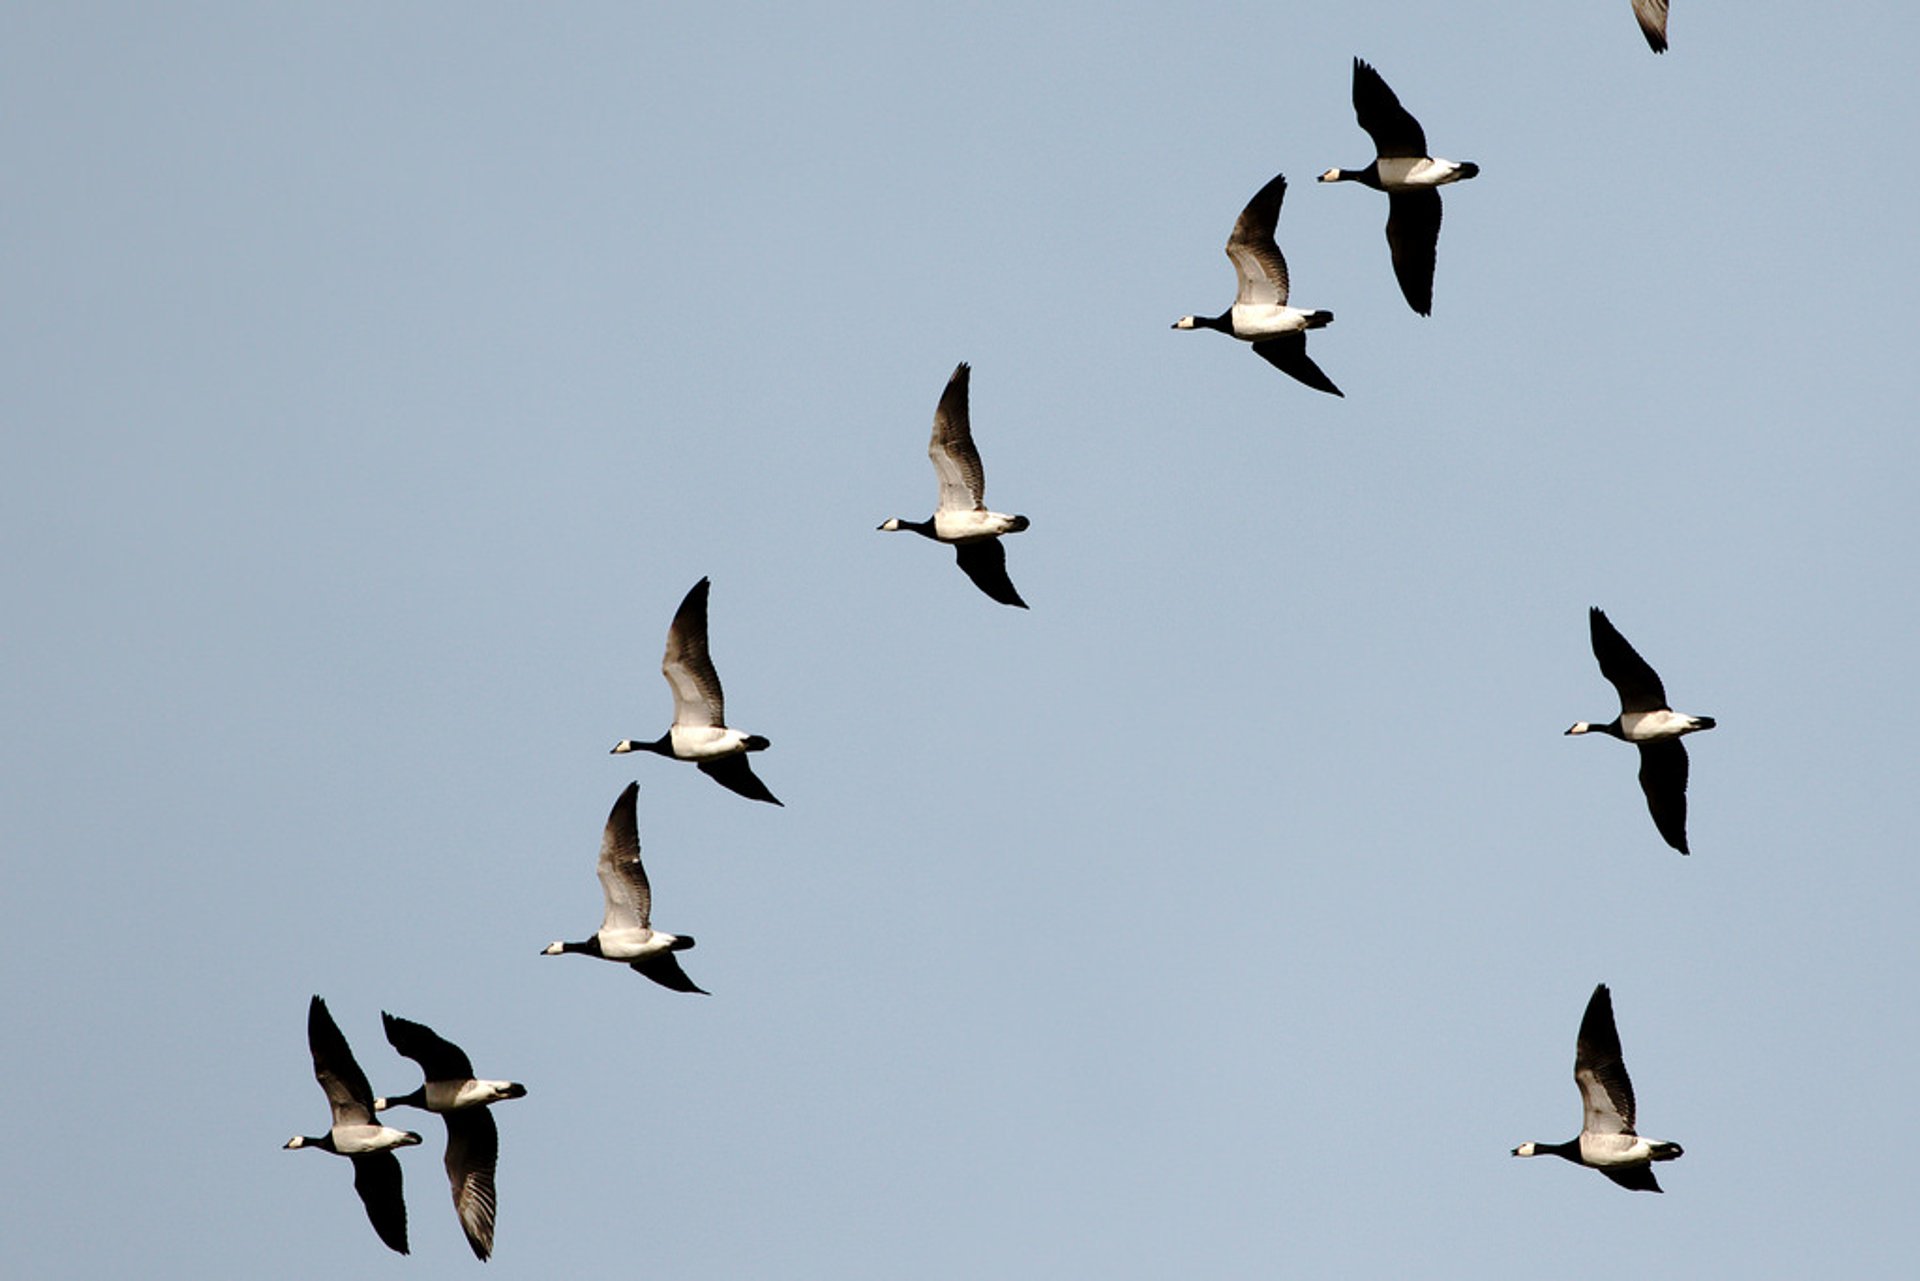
<point x="1260" y="315"/>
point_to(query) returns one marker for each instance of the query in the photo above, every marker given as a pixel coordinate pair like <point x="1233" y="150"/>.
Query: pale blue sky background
<point x="377" y="378"/>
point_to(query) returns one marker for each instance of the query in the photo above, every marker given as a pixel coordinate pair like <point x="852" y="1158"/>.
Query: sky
<point x="377" y="379"/>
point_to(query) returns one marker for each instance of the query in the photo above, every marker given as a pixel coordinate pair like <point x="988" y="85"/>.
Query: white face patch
<point x="552" y="949"/>
<point x="1185" y="322"/>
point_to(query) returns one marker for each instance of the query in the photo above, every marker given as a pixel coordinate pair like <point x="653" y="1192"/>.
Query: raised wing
<point x="1288" y="354"/>
<point x="697" y="699"/>
<point x="1639" y="687"/>
<point x="473" y="1148"/>
<point x="1395" y="133"/>
<point x="963" y="481"/>
<point x="736" y="775"/>
<point x="1600" y="1072"/>
<point x="622" y="879"/>
<point x="1413" y="234"/>
<point x="985" y="562"/>
<point x="439" y="1058"/>
<point x="1256" y="258"/>
<point x="1663" y="777"/>
<point x="340" y="1076"/>
<point x="376" y="1177"/>
<point x="1652" y="17"/>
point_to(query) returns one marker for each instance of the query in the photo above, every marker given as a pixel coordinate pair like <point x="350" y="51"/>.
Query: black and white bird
<point x="962" y="519"/>
<point x="1260" y="314"/>
<point x="1652" y="17"/>
<point x="626" y="932"/>
<point x="1607" y="1142"/>
<point x="461" y="1099"/>
<point x="1648" y="723"/>
<point x="699" y="732"/>
<point x="1409" y="176"/>
<point x="354" y="1133"/>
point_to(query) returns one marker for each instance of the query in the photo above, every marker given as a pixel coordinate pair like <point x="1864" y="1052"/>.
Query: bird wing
<point x="339" y="1075"/>
<point x="963" y="481"/>
<point x="1663" y="777"/>
<point x="664" y="969"/>
<point x="985" y="562"/>
<point x="1652" y="17"/>
<point x="1395" y="133"/>
<point x="1638" y="1178"/>
<point x="473" y="1148"/>
<point x="622" y="879"/>
<point x="439" y="1058"/>
<point x="1288" y="354"/>
<point x="1639" y="687"/>
<point x="736" y="775"/>
<point x="1413" y="234"/>
<point x="1600" y="1072"/>
<point x="697" y="699"/>
<point x="376" y="1177"/>
<point x="1256" y="258"/>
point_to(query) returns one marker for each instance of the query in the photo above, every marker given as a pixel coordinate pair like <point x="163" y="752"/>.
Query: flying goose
<point x="626" y="932"/>
<point x="1408" y="175"/>
<point x="1607" y="1141"/>
<point x="699" y="732"/>
<point x="1260" y="314"/>
<point x="355" y="1133"/>
<point x="473" y="1143"/>
<point x="962" y="518"/>
<point x="1652" y="17"/>
<point x="1646" y="721"/>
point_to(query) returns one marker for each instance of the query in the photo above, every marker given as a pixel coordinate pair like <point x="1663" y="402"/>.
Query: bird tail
<point x="758" y="743"/>
<point x="1319" y="319"/>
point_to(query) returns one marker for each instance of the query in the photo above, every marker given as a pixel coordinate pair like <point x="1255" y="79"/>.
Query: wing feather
<point x="688" y="667"/>
<point x="1395" y="133"/>
<point x="622" y="878"/>
<point x="963" y="481"/>
<point x="1256" y="259"/>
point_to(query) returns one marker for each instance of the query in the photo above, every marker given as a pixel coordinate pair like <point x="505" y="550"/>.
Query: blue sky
<point x="378" y="378"/>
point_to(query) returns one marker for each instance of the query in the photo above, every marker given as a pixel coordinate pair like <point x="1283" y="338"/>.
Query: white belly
<point x="631" y="945"/>
<point x="706" y="742"/>
<point x="349" y="1140"/>
<point x="1615" y="1149"/>
<point x="451" y="1096"/>
<point x="1402" y="173"/>
<point x="1266" y="321"/>
<point x="1642" y="727"/>
<point x="970" y="526"/>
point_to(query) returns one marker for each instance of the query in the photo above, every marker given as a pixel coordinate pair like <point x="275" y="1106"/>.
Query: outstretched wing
<point x="473" y="1148"/>
<point x="1639" y="687"/>
<point x="1663" y="778"/>
<point x="348" y="1093"/>
<point x="664" y="969"/>
<point x="963" y="481"/>
<point x="688" y="667"/>
<point x="736" y="775"/>
<point x="376" y="1177"/>
<point x="1288" y="354"/>
<point x="985" y="562"/>
<point x="1395" y="133"/>
<point x="1652" y="17"/>
<point x="1256" y="258"/>
<point x="1600" y="1072"/>
<point x="1413" y="234"/>
<point x="622" y="879"/>
<point x="1638" y="1178"/>
<point x="439" y="1058"/>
